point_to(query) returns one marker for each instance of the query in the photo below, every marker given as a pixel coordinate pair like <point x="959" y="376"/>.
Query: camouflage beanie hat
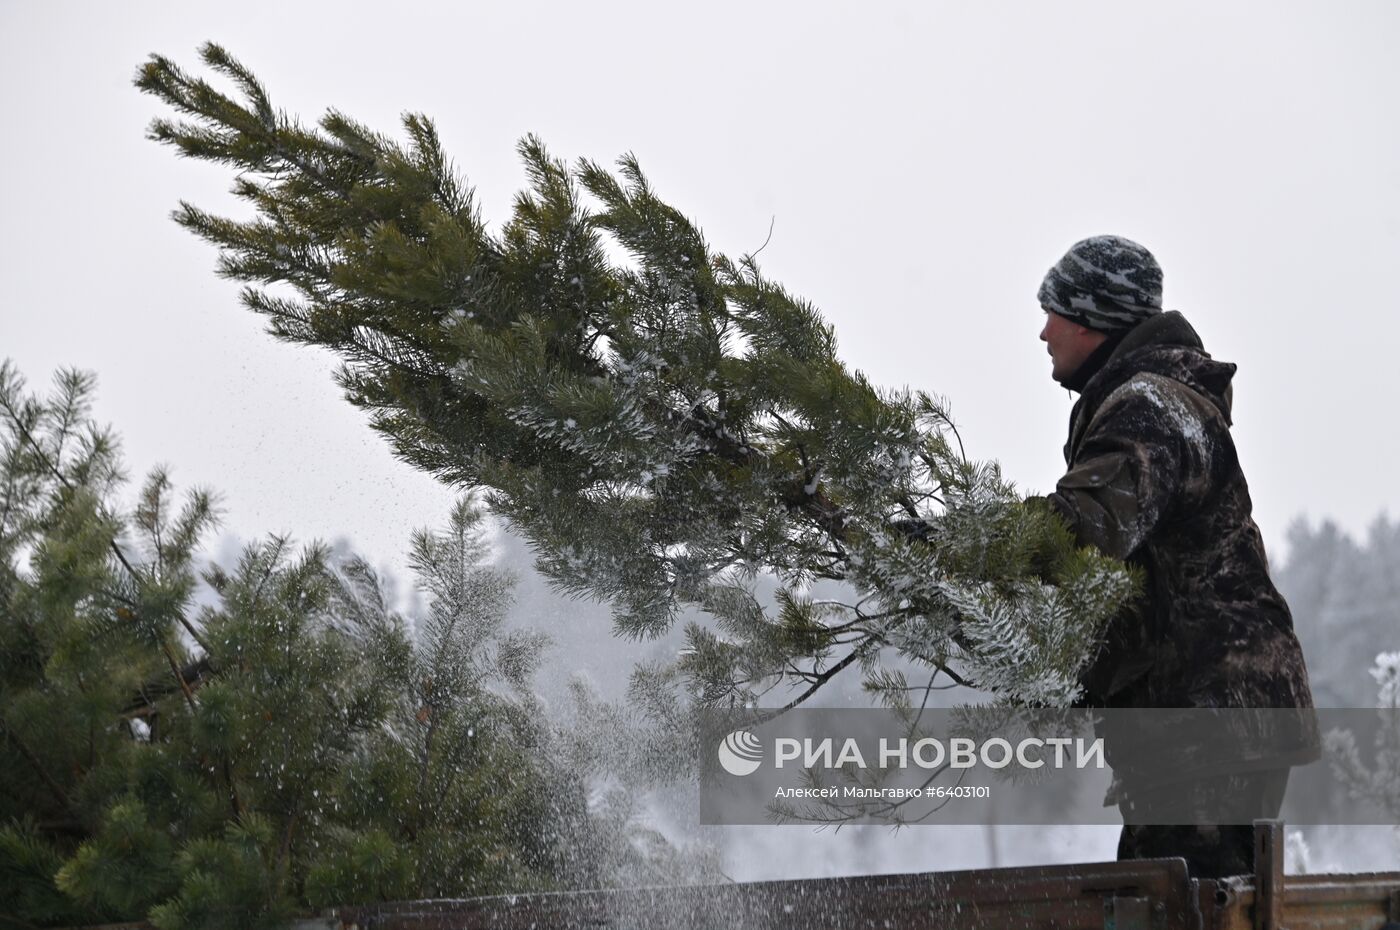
<point x="1106" y="283"/>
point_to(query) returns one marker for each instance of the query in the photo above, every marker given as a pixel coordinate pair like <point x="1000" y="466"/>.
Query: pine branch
<point x="17" y="423"/>
<point x="38" y="766"/>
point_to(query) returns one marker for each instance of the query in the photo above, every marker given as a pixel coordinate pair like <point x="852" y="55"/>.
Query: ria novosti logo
<point x="740" y="753"/>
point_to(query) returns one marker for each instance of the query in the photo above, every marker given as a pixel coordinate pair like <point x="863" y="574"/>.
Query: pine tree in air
<point x="660" y="427"/>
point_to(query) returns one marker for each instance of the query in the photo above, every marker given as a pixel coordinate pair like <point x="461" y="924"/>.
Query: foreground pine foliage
<point x="658" y="420"/>
<point x="216" y="746"/>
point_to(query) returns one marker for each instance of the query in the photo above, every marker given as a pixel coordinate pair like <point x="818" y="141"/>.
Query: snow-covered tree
<point x="659" y="421"/>
<point x="1345" y="598"/>
<point x="1376" y="780"/>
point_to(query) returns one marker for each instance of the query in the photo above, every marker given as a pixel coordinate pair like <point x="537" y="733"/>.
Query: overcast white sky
<point x="925" y="163"/>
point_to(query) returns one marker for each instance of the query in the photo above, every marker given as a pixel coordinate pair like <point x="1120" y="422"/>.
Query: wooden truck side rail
<point x="1155" y="894"/>
<point x="1139" y="895"/>
<point x="1123" y="895"/>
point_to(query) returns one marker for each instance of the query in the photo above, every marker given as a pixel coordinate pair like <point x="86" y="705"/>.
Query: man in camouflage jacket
<point x="1153" y="479"/>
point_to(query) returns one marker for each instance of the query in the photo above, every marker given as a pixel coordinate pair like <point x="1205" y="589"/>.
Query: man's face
<point x="1068" y="343"/>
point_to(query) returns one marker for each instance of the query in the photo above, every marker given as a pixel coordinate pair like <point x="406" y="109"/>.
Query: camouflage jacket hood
<point x="1153" y="478"/>
<point x="1166" y="345"/>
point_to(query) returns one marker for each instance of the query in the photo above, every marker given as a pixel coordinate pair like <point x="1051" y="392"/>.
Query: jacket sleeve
<point x="1127" y="475"/>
